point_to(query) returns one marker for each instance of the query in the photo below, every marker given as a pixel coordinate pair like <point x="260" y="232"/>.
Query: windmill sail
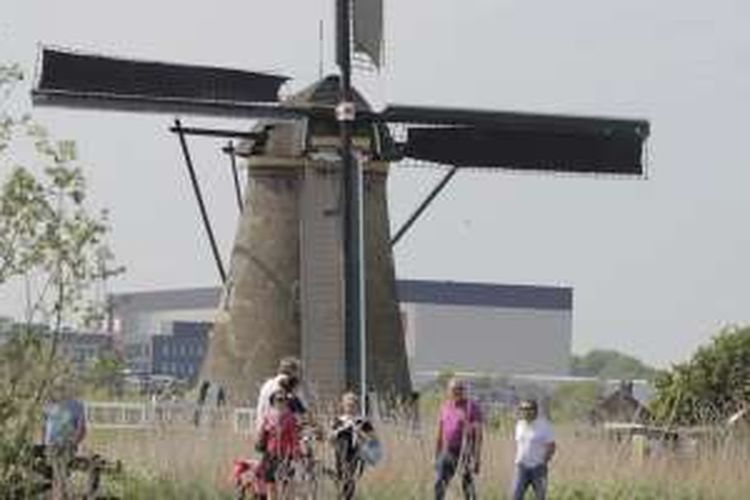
<point x="522" y="141"/>
<point x="72" y="79"/>
<point x="368" y="29"/>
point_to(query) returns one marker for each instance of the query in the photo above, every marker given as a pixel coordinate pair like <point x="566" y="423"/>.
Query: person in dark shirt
<point x="290" y="385"/>
<point x="352" y="435"/>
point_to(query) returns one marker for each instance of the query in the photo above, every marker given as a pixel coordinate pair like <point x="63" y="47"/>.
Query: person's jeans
<point x="536" y="477"/>
<point x="445" y="468"/>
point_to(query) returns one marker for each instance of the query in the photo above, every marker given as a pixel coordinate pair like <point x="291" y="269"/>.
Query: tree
<point x="711" y="386"/>
<point x="575" y="401"/>
<point x="106" y="373"/>
<point x="607" y="364"/>
<point x="50" y="242"/>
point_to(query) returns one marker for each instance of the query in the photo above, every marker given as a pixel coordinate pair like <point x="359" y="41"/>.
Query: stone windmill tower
<point x="285" y="284"/>
<point x="311" y="269"/>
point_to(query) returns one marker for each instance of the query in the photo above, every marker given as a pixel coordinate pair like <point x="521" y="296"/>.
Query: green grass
<point x="182" y="463"/>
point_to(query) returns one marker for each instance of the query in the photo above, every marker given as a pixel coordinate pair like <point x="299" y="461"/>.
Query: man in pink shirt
<point x="459" y="441"/>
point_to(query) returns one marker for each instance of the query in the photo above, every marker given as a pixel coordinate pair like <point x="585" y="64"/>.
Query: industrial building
<point x="486" y="328"/>
<point x="180" y="353"/>
<point x="449" y="326"/>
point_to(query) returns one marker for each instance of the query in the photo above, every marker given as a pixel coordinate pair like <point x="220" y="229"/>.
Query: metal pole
<point x="230" y="151"/>
<point x="199" y="197"/>
<point x="361" y="285"/>
<point x="221" y="132"/>
<point x="353" y="298"/>
<point x="423" y="206"/>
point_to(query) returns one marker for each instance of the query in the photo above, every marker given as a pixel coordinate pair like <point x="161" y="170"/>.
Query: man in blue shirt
<point x="64" y="429"/>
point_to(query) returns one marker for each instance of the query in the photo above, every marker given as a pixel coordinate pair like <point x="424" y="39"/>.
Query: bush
<point x="711" y="386"/>
<point x="27" y="374"/>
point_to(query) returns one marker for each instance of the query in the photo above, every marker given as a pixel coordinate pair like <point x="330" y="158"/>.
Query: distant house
<point x="620" y="406"/>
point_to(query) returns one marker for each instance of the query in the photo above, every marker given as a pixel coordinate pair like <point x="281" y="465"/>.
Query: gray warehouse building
<point x="463" y="327"/>
<point x="486" y="328"/>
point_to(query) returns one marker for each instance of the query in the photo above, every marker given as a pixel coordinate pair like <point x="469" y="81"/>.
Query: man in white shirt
<point x="290" y="372"/>
<point x="535" y="446"/>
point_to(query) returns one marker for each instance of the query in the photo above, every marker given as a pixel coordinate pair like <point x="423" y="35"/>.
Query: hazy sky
<point x="657" y="265"/>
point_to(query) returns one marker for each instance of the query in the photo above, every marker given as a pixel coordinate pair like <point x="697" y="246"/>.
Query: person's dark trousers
<point x="536" y="477"/>
<point x="445" y="468"/>
<point x="348" y="469"/>
<point x="347" y="480"/>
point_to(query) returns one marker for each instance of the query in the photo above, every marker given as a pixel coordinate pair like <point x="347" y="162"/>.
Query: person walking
<point x="458" y="446"/>
<point x="279" y="443"/>
<point x="351" y="435"/>
<point x="290" y="373"/>
<point x="535" y="447"/>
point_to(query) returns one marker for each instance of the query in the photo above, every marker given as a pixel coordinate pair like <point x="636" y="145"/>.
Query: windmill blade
<point x="521" y="141"/>
<point x="367" y="29"/>
<point x="527" y="150"/>
<point x="75" y="80"/>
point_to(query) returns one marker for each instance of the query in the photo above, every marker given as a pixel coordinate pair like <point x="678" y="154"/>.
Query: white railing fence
<point x="117" y="415"/>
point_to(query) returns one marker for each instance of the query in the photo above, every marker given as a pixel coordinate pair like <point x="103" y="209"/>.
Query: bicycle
<point x="43" y="469"/>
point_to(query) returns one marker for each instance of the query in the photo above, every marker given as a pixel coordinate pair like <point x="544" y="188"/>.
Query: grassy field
<point x="188" y="464"/>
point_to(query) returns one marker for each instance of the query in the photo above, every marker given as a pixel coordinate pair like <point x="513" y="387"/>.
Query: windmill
<point x="314" y="226"/>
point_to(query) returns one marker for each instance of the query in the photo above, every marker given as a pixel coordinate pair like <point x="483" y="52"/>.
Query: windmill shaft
<point x="353" y="240"/>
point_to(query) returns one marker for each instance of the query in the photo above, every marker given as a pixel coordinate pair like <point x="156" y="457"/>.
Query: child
<point x="248" y="479"/>
<point x="351" y="435"/>
<point x="278" y="441"/>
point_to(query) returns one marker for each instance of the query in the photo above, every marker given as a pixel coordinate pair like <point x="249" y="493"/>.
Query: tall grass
<point x="187" y="463"/>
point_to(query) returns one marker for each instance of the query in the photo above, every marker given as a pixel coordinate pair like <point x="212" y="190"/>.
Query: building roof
<point x="485" y="294"/>
<point x="160" y="300"/>
<point x="409" y="291"/>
